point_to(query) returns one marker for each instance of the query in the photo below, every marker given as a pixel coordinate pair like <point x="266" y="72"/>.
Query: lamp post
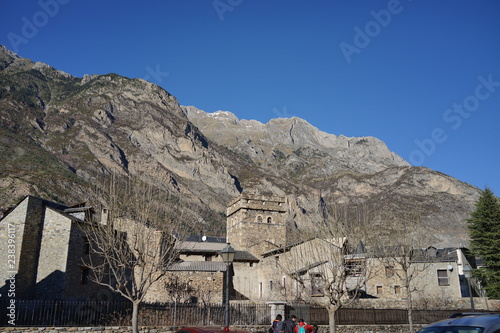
<point x="227" y="255"/>
<point x="468" y="275"/>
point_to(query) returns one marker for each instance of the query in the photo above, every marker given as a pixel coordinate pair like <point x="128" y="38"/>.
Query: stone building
<point x="42" y="246"/>
<point x="437" y="273"/>
<point x="261" y="226"/>
<point x="49" y="246"/>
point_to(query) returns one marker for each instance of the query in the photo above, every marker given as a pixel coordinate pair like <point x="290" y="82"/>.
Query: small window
<point x="270" y="285"/>
<point x="269" y="220"/>
<point x="259" y="219"/>
<point x="443" y="277"/>
<point x="389" y="271"/>
<point x="208" y="258"/>
<point x="316" y="285"/>
<point x="397" y="290"/>
<point x="379" y="290"/>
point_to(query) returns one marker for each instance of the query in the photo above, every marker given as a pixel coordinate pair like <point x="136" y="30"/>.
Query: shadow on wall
<point x="51" y="287"/>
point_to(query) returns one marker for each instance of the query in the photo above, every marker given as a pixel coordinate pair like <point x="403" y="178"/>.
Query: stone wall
<point x="205" y="286"/>
<point x="173" y="329"/>
<point x="388" y="284"/>
<point x="252" y="219"/>
<point x="28" y="221"/>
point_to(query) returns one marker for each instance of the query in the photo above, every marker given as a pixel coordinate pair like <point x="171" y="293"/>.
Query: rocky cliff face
<point x="326" y="168"/>
<point x="59" y="133"/>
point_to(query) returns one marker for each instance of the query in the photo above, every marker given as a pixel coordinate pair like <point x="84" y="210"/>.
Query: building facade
<point x="45" y="245"/>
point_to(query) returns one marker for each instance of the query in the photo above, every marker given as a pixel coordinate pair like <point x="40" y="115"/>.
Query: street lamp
<point x="227" y="255"/>
<point x="467" y="270"/>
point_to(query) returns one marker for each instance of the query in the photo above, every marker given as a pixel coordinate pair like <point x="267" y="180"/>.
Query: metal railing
<point x="85" y="313"/>
<point x="347" y="316"/>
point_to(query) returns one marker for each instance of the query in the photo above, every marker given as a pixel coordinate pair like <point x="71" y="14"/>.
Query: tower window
<point x="269" y="220"/>
<point x="259" y="219"/>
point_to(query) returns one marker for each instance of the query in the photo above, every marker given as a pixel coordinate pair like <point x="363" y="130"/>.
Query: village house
<point x="50" y="245"/>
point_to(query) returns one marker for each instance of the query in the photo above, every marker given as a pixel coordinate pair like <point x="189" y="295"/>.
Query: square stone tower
<point x="252" y="219"/>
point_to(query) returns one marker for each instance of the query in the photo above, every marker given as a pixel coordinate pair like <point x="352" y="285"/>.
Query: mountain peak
<point x="292" y="137"/>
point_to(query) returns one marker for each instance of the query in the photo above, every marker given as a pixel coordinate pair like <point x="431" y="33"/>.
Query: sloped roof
<point x="198" y="266"/>
<point x="208" y="239"/>
<point x="211" y="248"/>
<point x="199" y="247"/>
<point x="287" y="248"/>
<point x="245" y="256"/>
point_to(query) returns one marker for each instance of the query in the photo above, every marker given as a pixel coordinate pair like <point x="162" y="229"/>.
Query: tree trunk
<point x="331" y="319"/>
<point x="410" y="312"/>
<point x="135" y="316"/>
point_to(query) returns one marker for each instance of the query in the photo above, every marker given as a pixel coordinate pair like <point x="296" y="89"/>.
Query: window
<point x="316" y="285"/>
<point x="208" y="258"/>
<point x="259" y="219"/>
<point x="269" y="220"/>
<point x="84" y="278"/>
<point x="260" y="289"/>
<point x="443" y="277"/>
<point x="389" y="271"/>
<point x="355" y="267"/>
<point x="270" y="285"/>
<point x="379" y="290"/>
<point x="397" y="290"/>
<point x="283" y="283"/>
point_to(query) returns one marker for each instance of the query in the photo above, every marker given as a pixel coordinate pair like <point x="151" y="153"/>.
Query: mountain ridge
<point x="61" y="132"/>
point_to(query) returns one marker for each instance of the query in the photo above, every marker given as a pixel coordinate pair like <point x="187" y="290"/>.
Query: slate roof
<point x="198" y="266"/>
<point x="210" y="248"/>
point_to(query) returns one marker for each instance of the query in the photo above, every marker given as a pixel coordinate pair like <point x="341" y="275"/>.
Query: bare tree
<point x="404" y="255"/>
<point x="330" y="266"/>
<point x="133" y="240"/>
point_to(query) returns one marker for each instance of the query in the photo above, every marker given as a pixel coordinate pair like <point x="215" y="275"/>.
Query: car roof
<point x="479" y="320"/>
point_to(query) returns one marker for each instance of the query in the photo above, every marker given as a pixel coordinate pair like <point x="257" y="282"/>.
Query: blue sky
<point x="421" y="75"/>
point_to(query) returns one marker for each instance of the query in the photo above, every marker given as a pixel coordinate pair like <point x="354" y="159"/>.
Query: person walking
<point x="290" y="324"/>
<point x="303" y="327"/>
<point x="275" y="325"/>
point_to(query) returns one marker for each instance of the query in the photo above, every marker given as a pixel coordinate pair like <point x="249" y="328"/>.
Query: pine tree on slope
<point x="484" y="231"/>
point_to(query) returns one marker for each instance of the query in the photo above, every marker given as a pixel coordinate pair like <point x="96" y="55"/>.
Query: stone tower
<point x="252" y="219"/>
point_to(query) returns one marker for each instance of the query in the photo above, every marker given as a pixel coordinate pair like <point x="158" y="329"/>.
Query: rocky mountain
<point x="58" y="133"/>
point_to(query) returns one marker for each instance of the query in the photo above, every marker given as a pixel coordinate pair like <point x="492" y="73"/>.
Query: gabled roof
<point x="64" y="210"/>
<point x="199" y="247"/>
<point x="204" y="238"/>
<point x="429" y="254"/>
<point x="287" y="248"/>
<point x="210" y="248"/>
<point x="198" y="266"/>
<point x="305" y="269"/>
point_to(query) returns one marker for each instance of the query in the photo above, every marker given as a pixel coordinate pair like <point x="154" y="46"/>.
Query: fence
<point x="83" y="313"/>
<point x="73" y="313"/>
<point x="346" y="316"/>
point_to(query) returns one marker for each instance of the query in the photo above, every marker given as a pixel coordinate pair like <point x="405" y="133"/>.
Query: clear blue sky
<point x="421" y="75"/>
